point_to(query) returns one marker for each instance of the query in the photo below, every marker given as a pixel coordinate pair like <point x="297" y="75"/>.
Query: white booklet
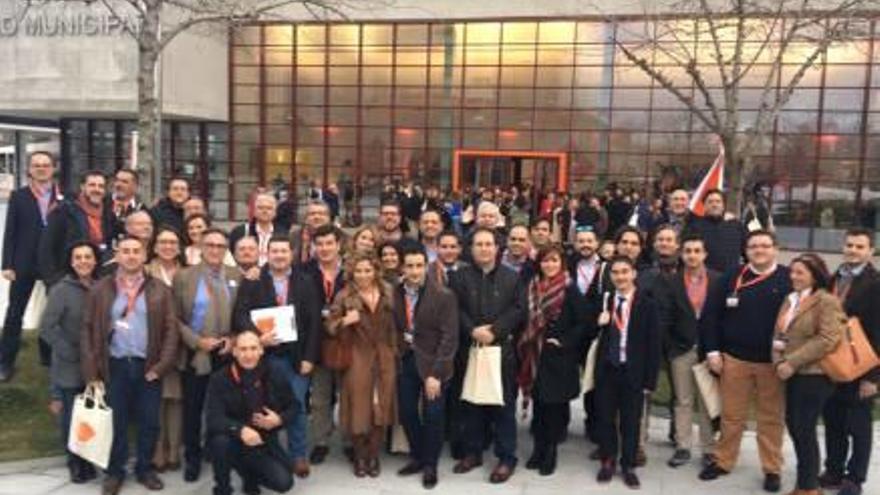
<point x="280" y="319"/>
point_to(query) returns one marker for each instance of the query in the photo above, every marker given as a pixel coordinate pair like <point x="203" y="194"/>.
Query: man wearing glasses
<point x="390" y="227"/>
<point x="203" y="295"/>
<point x="737" y="339"/>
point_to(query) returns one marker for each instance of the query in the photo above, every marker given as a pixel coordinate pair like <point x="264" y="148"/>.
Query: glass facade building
<point x="333" y="102"/>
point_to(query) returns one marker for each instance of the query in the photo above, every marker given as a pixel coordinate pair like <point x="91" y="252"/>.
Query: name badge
<point x="121" y="325"/>
<point x="732" y="302"/>
<point x="408" y="337"/>
<point x="325" y="312"/>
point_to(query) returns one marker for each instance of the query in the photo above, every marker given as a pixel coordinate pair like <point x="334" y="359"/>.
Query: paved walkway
<point x="575" y="475"/>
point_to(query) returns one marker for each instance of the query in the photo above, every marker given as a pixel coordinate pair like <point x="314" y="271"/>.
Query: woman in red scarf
<point x="548" y="350"/>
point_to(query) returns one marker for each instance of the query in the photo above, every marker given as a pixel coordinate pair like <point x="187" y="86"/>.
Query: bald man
<point x="262" y="227"/>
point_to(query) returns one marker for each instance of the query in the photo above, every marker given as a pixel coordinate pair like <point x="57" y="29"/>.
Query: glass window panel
<point x="412" y="55"/>
<point x="520" y="32"/>
<point x="413" y="76"/>
<point x="409" y="137"/>
<point x="276" y="95"/>
<point x="630" y="120"/>
<point x="812" y="77"/>
<point x="376" y="95"/>
<point x="312" y="135"/>
<point x="630" y="142"/>
<point x="343" y="95"/>
<point x="375" y="136"/>
<point x="552" y="119"/>
<point x="279" y="114"/>
<point x="670" y="120"/>
<point x="802" y="99"/>
<point x="344" y="34"/>
<point x="410" y="97"/>
<point x="310" y="116"/>
<point x="343" y="75"/>
<point x="842" y="123"/>
<point x="310" y="75"/>
<point x="310" y="95"/>
<point x="589" y="119"/>
<point x="509" y="139"/>
<point x="377" y="55"/>
<point x="246" y="75"/>
<point x="632" y="98"/>
<point x="342" y="115"/>
<point x="444" y="117"/>
<point x="310" y="55"/>
<point x="274" y="55"/>
<point x="843" y="99"/>
<point x="376" y="116"/>
<point x="591" y="76"/>
<point x="446" y="76"/>
<point x="483" y="32"/>
<point x="248" y="114"/>
<point x="798" y="121"/>
<point x="483" y="76"/>
<point x="346" y="55"/>
<point x="246" y="55"/>
<point x="246" y="94"/>
<point x="586" y="98"/>
<point x="518" y="55"/>
<point x="480" y="97"/>
<point x="517" y="76"/>
<point x="413" y="118"/>
<point x="245" y="133"/>
<point x="412" y="34"/>
<point x="558" y="77"/>
<point x="513" y="97"/>
<point x="310" y="34"/>
<point x="376" y="75"/>
<point x="277" y="134"/>
<point x="482" y="54"/>
<point x="555" y="55"/>
<point x="279" y="75"/>
<point x="670" y="142"/>
<point x="279" y="35"/>
<point x="479" y="118"/>
<point x="446" y="97"/>
<point x="247" y="35"/>
<point x="515" y="119"/>
<point x="852" y="76"/>
<point x="343" y="136"/>
<point x="556" y="32"/>
<point x="444" y="138"/>
<point x="480" y="139"/>
<point x="377" y="34"/>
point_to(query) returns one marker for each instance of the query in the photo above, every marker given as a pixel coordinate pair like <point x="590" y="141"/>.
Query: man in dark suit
<point x="317" y="214"/>
<point x="169" y="210"/>
<point x="262" y="227"/>
<point x="124" y="200"/>
<point x="847" y="414"/>
<point x="627" y="365"/>
<point x="491" y="301"/>
<point x="722" y="236"/>
<point x="279" y="285"/>
<point x="26" y="218"/>
<point x="688" y="289"/>
<point x="427" y="316"/>
<point x="85" y="217"/>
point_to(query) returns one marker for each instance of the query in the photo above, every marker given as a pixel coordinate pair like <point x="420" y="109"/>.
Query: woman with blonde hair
<point x="809" y="327"/>
<point x="364" y="240"/>
<point x="361" y="317"/>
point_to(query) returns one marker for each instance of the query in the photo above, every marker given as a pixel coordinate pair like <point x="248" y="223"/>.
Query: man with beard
<point x="723" y="237"/>
<point x="84" y="218"/>
<point x="430" y="227"/>
<point x="317" y="214"/>
<point x="124" y="199"/>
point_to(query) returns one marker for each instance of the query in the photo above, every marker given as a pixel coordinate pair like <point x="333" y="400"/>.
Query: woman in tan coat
<point x="809" y="327"/>
<point x="362" y="316"/>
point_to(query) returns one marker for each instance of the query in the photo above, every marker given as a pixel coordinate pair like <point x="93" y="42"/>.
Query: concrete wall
<point x="94" y="73"/>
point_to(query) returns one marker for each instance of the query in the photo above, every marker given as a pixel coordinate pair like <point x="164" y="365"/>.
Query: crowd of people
<point x="160" y="307"/>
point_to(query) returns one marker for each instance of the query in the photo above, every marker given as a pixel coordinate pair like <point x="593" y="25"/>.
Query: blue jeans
<point x="296" y="429"/>
<point x="131" y="396"/>
<point x="67" y="396"/>
<point x="424" y="431"/>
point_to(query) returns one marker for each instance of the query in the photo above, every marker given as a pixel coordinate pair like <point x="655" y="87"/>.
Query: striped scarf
<point x="545" y="305"/>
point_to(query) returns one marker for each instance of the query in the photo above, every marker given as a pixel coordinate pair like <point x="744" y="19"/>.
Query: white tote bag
<point x="588" y="380"/>
<point x="91" y="427"/>
<point x="35" y="307"/>
<point x="710" y="390"/>
<point x="482" y="380"/>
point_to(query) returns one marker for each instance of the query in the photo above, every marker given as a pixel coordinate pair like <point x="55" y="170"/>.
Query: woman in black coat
<point x="548" y="352"/>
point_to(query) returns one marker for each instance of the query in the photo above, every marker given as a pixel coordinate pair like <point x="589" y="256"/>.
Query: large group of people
<point x="388" y="322"/>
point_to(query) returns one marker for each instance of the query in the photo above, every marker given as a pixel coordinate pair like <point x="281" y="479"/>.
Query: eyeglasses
<point x="215" y="245"/>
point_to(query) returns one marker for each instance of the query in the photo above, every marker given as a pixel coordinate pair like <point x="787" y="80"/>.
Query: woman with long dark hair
<point x="809" y="326"/>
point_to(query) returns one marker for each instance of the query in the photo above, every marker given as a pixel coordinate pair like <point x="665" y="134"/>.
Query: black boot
<point x="548" y="464"/>
<point x="87" y="469"/>
<point x="536" y="460"/>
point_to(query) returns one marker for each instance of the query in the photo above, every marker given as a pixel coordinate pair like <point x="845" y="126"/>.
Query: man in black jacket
<point x="426" y="315"/>
<point x="247" y="405"/>
<point x="26" y="217"/>
<point x="294" y="359"/>
<point x="627" y="365"/>
<point x="491" y="301"/>
<point x="87" y="217"/>
<point x="262" y="227"/>
<point x="848" y="413"/>
<point x="123" y="201"/>
<point x="723" y="237"/>
<point x="689" y="288"/>
<point x="169" y="210"/>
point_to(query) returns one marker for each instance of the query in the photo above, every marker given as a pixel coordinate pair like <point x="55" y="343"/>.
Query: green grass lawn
<point x="27" y="428"/>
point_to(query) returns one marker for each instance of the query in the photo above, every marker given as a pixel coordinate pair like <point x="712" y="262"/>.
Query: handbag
<point x="588" y="380"/>
<point x="336" y="353"/>
<point x="709" y="388"/>
<point x="853" y="357"/>
<point x="91" y="426"/>
<point x="482" y="379"/>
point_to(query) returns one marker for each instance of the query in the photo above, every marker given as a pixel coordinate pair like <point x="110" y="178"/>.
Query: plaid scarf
<point x="545" y="305"/>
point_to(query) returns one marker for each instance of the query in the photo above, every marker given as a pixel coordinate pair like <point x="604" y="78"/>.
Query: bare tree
<point x="708" y="51"/>
<point x="154" y="24"/>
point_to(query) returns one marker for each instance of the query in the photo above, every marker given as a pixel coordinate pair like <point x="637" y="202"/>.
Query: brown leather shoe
<point x="373" y="467"/>
<point x="301" y="468"/>
<point x="151" y="481"/>
<point x="501" y="473"/>
<point x="111" y="486"/>
<point x="469" y="463"/>
<point x="360" y="467"/>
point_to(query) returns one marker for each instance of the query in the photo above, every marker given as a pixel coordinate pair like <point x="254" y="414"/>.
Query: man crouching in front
<point x="246" y="406"/>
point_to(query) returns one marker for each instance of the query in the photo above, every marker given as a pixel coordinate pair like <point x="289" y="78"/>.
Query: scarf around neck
<point x="545" y="298"/>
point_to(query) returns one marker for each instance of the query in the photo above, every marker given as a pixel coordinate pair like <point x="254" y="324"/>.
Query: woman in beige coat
<point x="362" y="315"/>
<point x="809" y="327"/>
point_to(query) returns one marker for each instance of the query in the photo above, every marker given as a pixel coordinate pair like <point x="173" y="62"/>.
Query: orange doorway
<point x="546" y="171"/>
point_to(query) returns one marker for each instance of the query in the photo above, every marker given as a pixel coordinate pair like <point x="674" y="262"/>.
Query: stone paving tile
<point x="576" y="474"/>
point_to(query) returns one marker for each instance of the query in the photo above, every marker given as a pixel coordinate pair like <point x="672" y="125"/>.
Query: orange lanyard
<point x="703" y="283"/>
<point x="742" y="285"/>
<point x="410" y="311"/>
